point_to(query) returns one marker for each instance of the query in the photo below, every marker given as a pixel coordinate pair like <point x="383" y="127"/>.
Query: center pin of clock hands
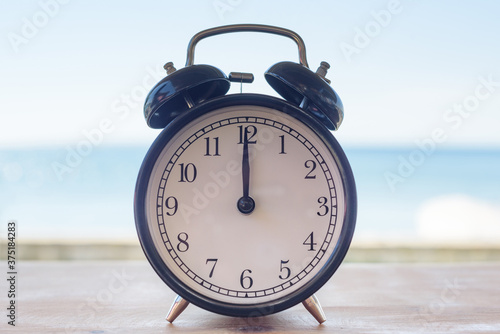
<point x="246" y="204"/>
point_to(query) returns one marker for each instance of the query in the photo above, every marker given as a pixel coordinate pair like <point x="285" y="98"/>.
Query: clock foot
<point x="177" y="308"/>
<point x="314" y="307"/>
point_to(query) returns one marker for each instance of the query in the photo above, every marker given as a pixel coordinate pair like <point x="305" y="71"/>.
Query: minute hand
<point x="246" y="204"/>
<point x="245" y="170"/>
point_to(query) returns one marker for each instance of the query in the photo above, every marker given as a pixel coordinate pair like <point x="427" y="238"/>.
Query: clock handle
<point x="246" y="27"/>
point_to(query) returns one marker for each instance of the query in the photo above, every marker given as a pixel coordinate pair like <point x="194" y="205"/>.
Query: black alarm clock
<point x="245" y="204"/>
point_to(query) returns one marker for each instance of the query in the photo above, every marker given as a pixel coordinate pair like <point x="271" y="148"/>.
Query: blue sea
<point x="403" y="194"/>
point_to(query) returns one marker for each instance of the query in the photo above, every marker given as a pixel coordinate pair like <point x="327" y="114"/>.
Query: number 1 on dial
<point x="282" y="141"/>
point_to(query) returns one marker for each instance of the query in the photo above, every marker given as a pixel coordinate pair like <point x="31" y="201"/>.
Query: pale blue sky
<point x="406" y="71"/>
<point x="83" y="58"/>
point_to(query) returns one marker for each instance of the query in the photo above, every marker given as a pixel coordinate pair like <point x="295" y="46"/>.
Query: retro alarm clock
<point x="245" y="204"/>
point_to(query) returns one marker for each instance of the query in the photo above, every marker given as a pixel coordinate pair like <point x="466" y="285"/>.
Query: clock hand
<point x="246" y="204"/>
<point x="245" y="169"/>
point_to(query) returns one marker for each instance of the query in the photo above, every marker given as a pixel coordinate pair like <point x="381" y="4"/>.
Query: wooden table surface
<point x="128" y="297"/>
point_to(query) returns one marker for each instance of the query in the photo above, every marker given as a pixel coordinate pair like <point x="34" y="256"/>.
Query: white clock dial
<point x="201" y="235"/>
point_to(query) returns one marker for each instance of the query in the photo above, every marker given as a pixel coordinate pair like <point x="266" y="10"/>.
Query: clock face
<point x="220" y="253"/>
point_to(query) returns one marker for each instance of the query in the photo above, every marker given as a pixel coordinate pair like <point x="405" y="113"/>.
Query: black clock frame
<point x="258" y="309"/>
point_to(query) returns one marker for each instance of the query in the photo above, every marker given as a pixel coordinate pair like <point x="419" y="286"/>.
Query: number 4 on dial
<point x="310" y="242"/>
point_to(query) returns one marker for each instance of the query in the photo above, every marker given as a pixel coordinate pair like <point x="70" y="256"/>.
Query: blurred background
<point x="419" y="80"/>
